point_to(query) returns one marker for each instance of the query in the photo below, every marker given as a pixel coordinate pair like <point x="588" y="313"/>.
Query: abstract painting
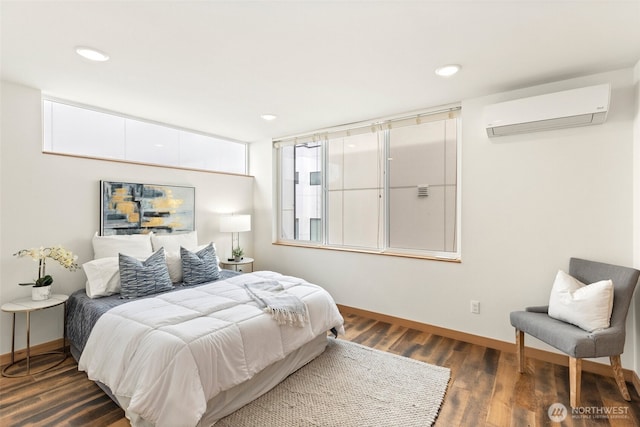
<point x="131" y="208"/>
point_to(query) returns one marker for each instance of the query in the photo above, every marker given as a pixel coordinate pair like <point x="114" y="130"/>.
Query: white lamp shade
<point x="235" y="223"/>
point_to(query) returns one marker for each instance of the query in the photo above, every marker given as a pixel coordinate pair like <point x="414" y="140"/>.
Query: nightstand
<point x="27" y="305"/>
<point x="245" y="265"/>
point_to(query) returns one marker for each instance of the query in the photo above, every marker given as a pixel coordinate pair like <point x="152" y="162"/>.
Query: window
<point x="301" y="200"/>
<point x="355" y="191"/>
<point x="389" y="187"/>
<point x="315" y="226"/>
<point x="82" y="131"/>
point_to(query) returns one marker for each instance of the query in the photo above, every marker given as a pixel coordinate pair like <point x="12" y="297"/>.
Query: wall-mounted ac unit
<point x="569" y="108"/>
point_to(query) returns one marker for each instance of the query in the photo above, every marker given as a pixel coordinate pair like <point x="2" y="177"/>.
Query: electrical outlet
<point x="475" y="307"/>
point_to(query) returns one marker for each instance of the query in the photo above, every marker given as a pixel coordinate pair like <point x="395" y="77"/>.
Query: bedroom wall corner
<point x="264" y="205"/>
<point x="636" y="215"/>
<point x="52" y="199"/>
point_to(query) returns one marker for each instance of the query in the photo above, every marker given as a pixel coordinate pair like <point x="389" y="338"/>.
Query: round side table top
<point x="245" y="260"/>
<point x="27" y="304"/>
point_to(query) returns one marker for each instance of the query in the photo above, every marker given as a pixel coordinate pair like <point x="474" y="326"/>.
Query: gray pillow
<point x="139" y="278"/>
<point x="199" y="267"/>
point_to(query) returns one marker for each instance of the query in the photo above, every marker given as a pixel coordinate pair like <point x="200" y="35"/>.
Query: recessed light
<point x="269" y="117"/>
<point x="448" y="70"/>
<point x="92" y="54"/>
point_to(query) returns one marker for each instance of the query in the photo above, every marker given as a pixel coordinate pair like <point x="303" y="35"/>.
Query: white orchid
<point x="64" y="257"/>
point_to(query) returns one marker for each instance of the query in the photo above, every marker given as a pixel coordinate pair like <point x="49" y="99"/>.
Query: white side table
<point x="238" y="265"/>
<point x="27" y="305"/>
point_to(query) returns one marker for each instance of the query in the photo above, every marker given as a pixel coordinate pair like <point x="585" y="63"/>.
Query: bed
<point x="190" y="355"/>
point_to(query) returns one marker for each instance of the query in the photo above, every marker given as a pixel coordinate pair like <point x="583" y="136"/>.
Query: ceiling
<point x="215" y="67"/>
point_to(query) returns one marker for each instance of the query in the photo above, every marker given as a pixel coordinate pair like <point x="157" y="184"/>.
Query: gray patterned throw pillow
<point x="140" y="278"/>
<point x="199" y="267"/>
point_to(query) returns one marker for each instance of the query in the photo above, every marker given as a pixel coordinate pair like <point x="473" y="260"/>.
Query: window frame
<point x="448" y="256"/>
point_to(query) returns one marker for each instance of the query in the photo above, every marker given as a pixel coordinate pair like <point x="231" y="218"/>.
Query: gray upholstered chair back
<point x="624" y="282"/>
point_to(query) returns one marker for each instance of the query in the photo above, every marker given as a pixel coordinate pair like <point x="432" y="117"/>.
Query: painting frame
<point x="137" y="208"/>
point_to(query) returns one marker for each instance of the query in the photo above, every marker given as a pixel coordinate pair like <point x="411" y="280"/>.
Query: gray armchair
<point x="577" y="343"/>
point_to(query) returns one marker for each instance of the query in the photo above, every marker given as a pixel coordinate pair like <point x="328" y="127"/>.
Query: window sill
<point x="132" y="162"/>
<point x="364" y="251"/>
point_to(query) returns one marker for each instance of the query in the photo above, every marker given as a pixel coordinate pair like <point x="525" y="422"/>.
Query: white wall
<point x="48" y="200"/>
<point x="529" y="203"/>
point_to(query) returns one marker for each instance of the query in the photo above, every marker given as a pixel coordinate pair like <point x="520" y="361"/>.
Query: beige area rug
<point x="350" y="385"/>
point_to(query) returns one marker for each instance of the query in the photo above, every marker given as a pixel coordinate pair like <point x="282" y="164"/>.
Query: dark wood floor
<point x="485" y="389"/>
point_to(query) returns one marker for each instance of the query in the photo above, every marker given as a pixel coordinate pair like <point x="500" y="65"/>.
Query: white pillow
<point x="174" y="265"/>
<point x="172" y="242"/>
<point x="174" y="262"/>
<point x="135" y="245"/>
<point x="103" y="277"/>
<point x="586" y="306"/>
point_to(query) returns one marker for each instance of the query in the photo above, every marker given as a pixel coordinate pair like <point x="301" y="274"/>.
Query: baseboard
<point x="436" y="330"/>
<point x="55" y="345"/>
<point x="510" y="347"/>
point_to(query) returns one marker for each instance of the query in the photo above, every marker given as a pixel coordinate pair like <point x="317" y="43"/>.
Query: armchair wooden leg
<point x="520" y="350"/>
<point x="575" y="381"/>
<point x="619" y="376"/>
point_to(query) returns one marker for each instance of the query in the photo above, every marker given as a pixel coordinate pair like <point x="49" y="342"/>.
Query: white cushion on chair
<point x="586" y="306"/>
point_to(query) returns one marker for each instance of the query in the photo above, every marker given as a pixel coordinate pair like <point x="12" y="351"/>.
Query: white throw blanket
<point x="285" y="308"/>
<point x="168" y="355"/>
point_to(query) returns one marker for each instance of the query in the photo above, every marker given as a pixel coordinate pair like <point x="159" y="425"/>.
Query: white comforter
<point x="171" y="353"/>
